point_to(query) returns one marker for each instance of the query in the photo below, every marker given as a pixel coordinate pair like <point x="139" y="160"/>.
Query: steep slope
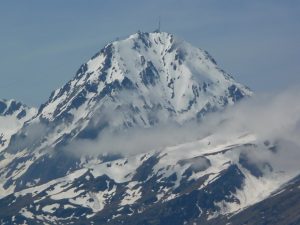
<point x="282" y="207"/>
<point x="12" y="117"/>
<point x="158" y="68"/>
<point x="143" y="81"/>
<point x="203" y="182"/>
<point x="146" y="79"/>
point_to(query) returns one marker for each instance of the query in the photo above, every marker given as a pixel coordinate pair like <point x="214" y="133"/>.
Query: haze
<point x="43" y="43"/>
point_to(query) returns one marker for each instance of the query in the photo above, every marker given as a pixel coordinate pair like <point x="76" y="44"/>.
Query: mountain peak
<point x="159" y="68"/>
<point x="142" y="80"/>
<point x="13" y="115"/>
<point x="155" y="33"/>
<point x="11" y="106"/>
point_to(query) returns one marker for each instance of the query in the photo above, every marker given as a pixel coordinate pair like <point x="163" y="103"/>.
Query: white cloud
<point x="275" y="118"/>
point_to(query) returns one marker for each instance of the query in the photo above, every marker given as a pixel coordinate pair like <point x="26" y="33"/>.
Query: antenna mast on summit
<point x="159" y="24"/>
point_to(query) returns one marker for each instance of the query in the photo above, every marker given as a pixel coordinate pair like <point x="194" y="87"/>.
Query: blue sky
<point x="43" y="43"/>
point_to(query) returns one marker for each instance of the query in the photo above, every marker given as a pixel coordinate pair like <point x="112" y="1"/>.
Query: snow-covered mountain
<point x="204" y="182"/>
<point x="144" y="81"/>
<point x="12" y="117"/>
<point x="141" y="81"/>
<point x="152" y="70"/>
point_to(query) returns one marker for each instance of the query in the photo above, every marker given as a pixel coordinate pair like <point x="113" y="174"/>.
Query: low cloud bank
<point x="275" y="118"/>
